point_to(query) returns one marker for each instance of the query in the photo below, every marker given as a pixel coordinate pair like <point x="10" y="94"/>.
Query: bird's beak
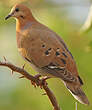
<point x="9" y="15"/>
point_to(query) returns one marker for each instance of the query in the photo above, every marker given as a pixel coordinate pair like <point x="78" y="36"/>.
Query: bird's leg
<point x="45" y="78"/>
<point x="37" y="76"/>
<point x="43" y="81"/>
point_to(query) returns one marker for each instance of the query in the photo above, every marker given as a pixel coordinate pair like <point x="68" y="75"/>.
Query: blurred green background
<point x="64" y="17"/>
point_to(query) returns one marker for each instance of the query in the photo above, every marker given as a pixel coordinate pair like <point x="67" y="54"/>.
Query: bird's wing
<point x="49" y="52"/>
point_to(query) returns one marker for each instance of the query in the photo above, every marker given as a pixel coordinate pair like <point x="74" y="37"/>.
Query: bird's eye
<point x="17" y="9"/>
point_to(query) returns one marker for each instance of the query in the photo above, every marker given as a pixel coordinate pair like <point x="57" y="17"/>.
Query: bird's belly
<point x="39" y="70"/>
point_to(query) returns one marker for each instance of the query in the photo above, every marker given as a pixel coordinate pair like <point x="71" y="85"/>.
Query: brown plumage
<point x="46" y="51"/>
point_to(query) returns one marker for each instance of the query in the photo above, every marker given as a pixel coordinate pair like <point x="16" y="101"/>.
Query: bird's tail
<point x="78" y="93"/>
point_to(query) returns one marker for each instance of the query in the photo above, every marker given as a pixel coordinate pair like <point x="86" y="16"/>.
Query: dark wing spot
<point x="64" y="54"/>
<point x="22" y="16"/>
<point x="58" y="48"/>
<point x="63" y="61"/>
<point x="80" y="80"/>
<point x="46" y="52"/>
<point x="66" y="48"/>
<point x="49" y="49"/>
<point x="43" y="45"/>
<point x="57" y="53"/>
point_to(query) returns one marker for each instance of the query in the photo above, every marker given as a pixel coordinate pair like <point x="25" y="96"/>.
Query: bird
<point x="46" y="51"/>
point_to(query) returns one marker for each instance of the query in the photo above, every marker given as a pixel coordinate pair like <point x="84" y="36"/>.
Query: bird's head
<point x="19" y="11"/>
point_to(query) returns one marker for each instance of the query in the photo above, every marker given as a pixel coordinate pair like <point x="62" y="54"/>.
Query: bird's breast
<point x="32" y="48"/>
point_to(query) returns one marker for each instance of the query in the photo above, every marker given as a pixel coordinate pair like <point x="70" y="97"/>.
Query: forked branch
<point x="37" y="81"/>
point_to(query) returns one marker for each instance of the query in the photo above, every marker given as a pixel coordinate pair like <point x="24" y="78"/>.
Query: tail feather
<point x="78" y="93"/>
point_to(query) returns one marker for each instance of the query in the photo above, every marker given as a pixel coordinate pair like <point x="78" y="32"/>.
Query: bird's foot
<point x="43" y="81"/>
<point x="37" y="76"/>
<point x="40" y="82"/>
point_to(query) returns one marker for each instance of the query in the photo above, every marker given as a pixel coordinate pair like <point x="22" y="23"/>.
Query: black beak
<point x="7" y="17"/>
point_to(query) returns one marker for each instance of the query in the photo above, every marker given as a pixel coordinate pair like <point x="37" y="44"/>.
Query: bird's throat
<point x="19" y="24"/>
<point x="22" y="23"/>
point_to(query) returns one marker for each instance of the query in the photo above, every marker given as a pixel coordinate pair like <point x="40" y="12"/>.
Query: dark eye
<point x="17" y="9"/>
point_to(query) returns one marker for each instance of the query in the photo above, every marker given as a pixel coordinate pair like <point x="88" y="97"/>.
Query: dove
<point x="46" y="51"/>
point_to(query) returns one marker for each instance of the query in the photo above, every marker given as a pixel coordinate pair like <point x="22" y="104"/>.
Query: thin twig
<point x="38" y="82"/>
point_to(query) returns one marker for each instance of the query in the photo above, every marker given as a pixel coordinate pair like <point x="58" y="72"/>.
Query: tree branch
<point x="38" y="82"/>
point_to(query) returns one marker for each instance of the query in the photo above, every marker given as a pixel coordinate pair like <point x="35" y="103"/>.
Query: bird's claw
<point x="40" y="82"/>
<point x="36" y="77"/>
<point x="43" y="82"/>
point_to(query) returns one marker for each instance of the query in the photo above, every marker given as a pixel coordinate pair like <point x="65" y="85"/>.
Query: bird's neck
<point x="23" y="23"/>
